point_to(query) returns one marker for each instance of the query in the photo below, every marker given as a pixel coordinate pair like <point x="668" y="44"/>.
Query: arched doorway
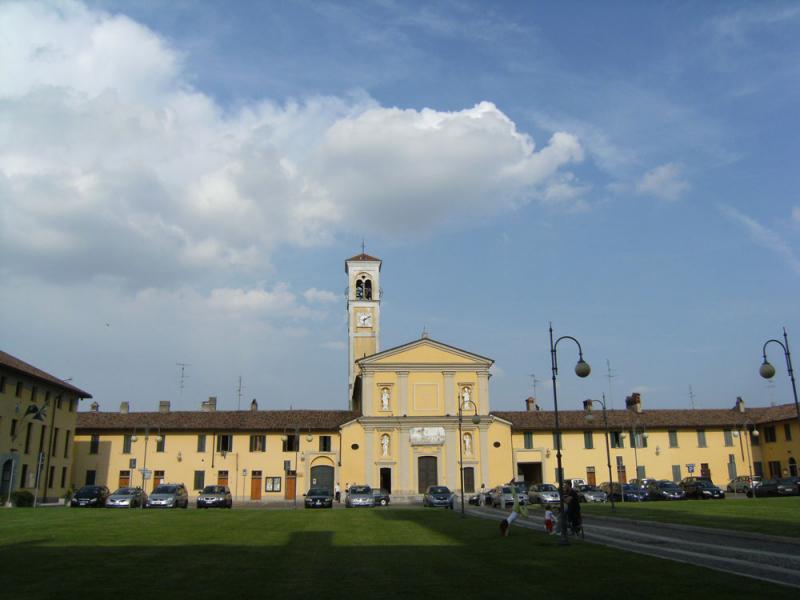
<point x="322" y="476"/>
<point x="427" y="472"/>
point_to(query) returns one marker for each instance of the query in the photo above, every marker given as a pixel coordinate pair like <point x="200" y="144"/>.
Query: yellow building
<point x="38" y="413"/>
<point x="418" y="413"/>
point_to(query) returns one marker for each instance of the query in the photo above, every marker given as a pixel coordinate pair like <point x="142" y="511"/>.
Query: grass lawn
<point x="776" y="516"/>
<point x="374" y="553"/>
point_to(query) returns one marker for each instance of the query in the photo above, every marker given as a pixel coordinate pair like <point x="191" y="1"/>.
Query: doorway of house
<point x="386" y="479"/>
<point x="255" y="486"/>
<point x="322" y="477"/>
<point x="531" y="472"/>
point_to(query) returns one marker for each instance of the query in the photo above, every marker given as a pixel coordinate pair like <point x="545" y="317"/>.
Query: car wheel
<point x="383" y="502"/>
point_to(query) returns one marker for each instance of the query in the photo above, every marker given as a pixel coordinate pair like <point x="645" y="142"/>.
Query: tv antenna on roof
<point x="239" y="394"/>
<point x="184" y="376"/>
<point x="611" y="375"/>
<point x="534" y="381"/>
<point x="691" y="396"/>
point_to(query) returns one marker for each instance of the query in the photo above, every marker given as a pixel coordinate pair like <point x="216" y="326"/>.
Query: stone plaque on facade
<point x="426" y="436"/>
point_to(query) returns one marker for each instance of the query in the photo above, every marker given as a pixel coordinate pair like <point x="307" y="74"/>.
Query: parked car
<point x="629" y="492"/>
<point x="318" y="497"/>
<point x="701" y="488"/>
<point x="438" y="495"/>
<point x="168" y="495"/>
<point x="381" y="497"/>
<point x="789" y="486"/>
<point x="475" y="500"/>
<point x="543" y="493"/>
<point x="575" y="483"/>
<point x="591" y="493"/>
<point x="741" y="484"/>
<point x="126" y="497"/>
<point x="641" y="483"/>
<point x="503" y="496"/>
<point x="359" y="495"/>
<point x="212" y="496"/>
<point x="665" y="490"/>
<point x="90" y="496"/>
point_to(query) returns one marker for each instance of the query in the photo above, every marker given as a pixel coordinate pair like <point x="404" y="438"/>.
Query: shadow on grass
<point x="383" y="554"/>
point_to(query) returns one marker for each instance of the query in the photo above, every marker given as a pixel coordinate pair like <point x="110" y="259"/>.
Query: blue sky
<point x="182" y="181"/>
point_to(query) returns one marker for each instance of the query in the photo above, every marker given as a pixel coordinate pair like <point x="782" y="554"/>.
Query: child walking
<point x="549" y="519"/>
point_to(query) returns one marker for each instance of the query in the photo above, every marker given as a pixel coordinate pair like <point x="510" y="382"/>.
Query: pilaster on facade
<point x="402" y="392"/>
<point x="367" y="392"/>
<point x="452" y="441"/>
<point x="450" y="404"/>
<point x="483" y="392"/>
<point x="369" y="453"/>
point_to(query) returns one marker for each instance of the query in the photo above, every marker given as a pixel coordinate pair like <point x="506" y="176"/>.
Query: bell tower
<point x="363" y="314"/>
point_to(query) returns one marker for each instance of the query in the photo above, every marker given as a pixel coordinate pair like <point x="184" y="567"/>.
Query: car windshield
<point x="668" y="485"/>
<point x="588" y="488"/>
<point x="214" y="489"/>
<point x="164" y="489"/>
<point x="438" y="489"/>
<point x="318" y="492"/>
<point x="125" y="491"/>
<point x="629" y="488"/>
<point x="361" y="489"/>
<point x="88" y="492"/>
<point x="704" y="484"/>
<point x="546" y="487"/>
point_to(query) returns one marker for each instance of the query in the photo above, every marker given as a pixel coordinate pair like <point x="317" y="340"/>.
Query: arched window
<point x="368" y="289"/>
<point x="359" y="289"/>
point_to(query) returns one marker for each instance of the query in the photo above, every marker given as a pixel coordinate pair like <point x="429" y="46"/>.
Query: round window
<point x="496" y="444"/>
<point x="354" y="446"/>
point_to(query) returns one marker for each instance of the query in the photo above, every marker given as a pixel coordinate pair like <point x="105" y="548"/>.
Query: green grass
<point x="775" y="516"/>
<point x="239" y="554"/>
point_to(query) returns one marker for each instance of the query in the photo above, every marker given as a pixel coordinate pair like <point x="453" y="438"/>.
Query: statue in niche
<point x="465" y="394"/>
<point x="385" y="399"/>
<point x="385" y="445"/>
<point x="467" y="444"/>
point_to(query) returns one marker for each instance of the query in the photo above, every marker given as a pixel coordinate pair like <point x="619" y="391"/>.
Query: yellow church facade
<point x="421" y="414"/>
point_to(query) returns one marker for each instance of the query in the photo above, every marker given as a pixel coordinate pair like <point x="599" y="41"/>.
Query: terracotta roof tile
<point x="233" y="420"/>
<point x="363" y="257"/>
<point x="20" y="366"/>
<point x="655" y="419"/>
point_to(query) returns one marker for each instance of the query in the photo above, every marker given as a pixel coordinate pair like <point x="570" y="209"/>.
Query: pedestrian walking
<point x="549" y="519"/>
<point x="483" y="494"/>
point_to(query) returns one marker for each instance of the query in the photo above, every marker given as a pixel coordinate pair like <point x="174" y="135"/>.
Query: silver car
<point x="126" y="497"/>
<point x="590" y="493"/>
<point x="168" y="495"/>
<point x="359" y="495"/>
<point x="543" y="493"/>
<point x="503" y="496"/>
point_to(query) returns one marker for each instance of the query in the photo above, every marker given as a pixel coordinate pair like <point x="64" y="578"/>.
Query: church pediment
<point x="425" y="351"/>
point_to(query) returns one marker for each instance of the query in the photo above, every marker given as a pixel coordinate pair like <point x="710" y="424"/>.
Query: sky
<point x="181" y="183"/>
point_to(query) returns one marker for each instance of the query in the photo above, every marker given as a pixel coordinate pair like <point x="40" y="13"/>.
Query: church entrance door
<point x="427" y="472"/>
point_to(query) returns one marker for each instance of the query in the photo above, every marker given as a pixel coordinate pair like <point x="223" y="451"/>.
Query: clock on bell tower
<point x="363" y="312"/>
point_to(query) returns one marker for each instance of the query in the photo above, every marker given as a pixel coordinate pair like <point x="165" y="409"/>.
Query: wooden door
<point x="158" y="478"/>
<point x="590" y="477"/>
<point x="291" y="487"/>
<point x="622" y="475"/>
<point x="427" y="472"/>
<point x="124" y="479"/>
<point x="222" y="478"/>
<point x="255" y="486"/>
<point x="705" y="471"/>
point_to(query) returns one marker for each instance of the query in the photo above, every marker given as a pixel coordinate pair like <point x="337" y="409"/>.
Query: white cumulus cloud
<point x="665" y="182"/>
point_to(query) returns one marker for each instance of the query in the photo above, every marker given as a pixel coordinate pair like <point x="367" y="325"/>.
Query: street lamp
<point x="144" y="465"/>
<point x="587" y="406"/>
<point x="767" y="371"/>
<point x="754" y="432"/>
<point x="636" y="439"/>
<point x="582" y="369"/>
<point x="476" y="419"/>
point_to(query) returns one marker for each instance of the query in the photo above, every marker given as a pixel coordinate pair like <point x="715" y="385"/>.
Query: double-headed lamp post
<point x="582" y="369"/>
<point x="134" y="438"/>
<point x="767" y="371"/>
<point x="476" y="419"/>
<point x="587" y="406"/>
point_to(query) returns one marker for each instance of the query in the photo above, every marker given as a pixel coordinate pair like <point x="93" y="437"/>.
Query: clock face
<point x="365" y="320"/>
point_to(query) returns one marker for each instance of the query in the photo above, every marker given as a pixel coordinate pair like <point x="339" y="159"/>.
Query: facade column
<point x="450" y="407"/>
<point x="369" y="460"/>
<point x="367" y="392"/>
<point x="402" y="392"/>
<point x="404" y="450"/>
<point x="485" y="475"/>
<point x="451" y="460"/>
<point x="483" y="391"/>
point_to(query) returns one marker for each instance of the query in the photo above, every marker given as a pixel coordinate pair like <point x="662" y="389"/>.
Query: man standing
<point x="337" y="492"/>
<point x="483" y="494"/>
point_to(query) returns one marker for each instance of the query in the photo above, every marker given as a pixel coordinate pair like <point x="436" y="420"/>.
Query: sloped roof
<point x="23" y="368"/>
<point x="423" y="341"/>
<point x="364" y="258"/>
<point x="544" y="420"/>
<point x="229" y="420"/>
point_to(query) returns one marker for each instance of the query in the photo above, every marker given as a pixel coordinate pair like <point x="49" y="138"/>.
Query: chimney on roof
<point x="739" y="404"/>
<point x="530" y="404"/>
<point x="209" y="405"/>
<point x="254" y="406"/>
<point x="634" y="402"/>
<point x="163" y="406"/>
<point x="94" y="406"/>
<point x="124" y="408"/>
